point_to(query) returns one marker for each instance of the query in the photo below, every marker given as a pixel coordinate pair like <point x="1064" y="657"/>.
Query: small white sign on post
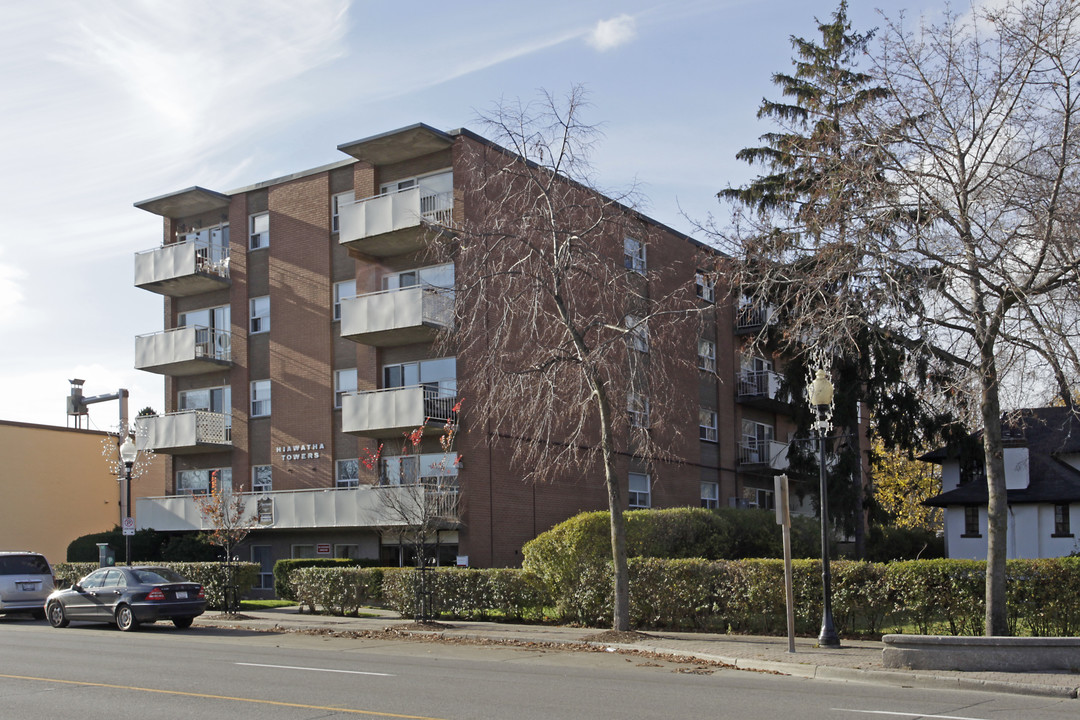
<point x="129" y="526"/>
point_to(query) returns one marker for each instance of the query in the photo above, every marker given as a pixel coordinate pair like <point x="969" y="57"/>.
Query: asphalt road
<point x="94" y="672"/>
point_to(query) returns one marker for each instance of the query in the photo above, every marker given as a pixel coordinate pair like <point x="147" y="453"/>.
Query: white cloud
<point x="610" y="34"/>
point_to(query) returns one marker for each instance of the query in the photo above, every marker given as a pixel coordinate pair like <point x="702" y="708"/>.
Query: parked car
<point x="26" y="579"/>
<point x="128" y="597"/>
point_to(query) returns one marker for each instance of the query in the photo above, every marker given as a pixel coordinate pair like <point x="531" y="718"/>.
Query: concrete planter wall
<point x="990" y="654"/>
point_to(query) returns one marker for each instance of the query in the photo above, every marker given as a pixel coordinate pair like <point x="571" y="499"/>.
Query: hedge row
<point x="740" y="596"/>
<point x="211" y="575"/>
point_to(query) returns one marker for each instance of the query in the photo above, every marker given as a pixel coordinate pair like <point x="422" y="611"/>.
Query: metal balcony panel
<point x="383" y="413"/>
<point x="182" y="269"/>
<point x="393" y="224"/>
<point x="396" y="317"/>
<point x="184" y="351"/>
<point x="768" y="455"/>
<point x="184" y="432"/>
<point x="365" y="506"/>
<point x="762" y="389"/>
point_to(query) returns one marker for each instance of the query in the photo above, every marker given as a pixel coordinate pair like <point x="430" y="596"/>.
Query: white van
<point x="26" y="579"/>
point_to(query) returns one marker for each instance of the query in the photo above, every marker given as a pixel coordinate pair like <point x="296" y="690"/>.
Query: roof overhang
<point x="398" y="145"/>
<point x="185" y="203"/>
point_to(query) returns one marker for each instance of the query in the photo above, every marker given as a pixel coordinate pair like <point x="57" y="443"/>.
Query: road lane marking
<point x="314" y="669"/>
<point x="205" y="696"/>
<point x="909" y="714"/>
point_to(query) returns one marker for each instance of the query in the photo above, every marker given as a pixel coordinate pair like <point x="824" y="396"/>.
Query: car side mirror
<point x="76" y="587"/>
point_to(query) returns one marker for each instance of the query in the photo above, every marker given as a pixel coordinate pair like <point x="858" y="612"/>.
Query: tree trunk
<point x="997" y="509"/>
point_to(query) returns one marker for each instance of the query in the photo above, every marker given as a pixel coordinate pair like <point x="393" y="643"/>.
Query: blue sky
<point x="109" y="102"/>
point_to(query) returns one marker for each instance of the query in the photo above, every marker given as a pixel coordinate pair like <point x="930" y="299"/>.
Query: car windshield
<point x="23" y="565"/>
<point x="151" y="576"/>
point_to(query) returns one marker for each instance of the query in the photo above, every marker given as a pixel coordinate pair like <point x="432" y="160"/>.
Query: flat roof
<point x="184" y="203"/>
<point x="397" y="145"/>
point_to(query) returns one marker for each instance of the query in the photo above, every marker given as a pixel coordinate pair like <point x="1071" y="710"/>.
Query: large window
<point x="262" y="478"/>
<point x="344" y="383"/>
<point x="260" y="314"/>
<point x="198" y="482"/>
<point x="706" y="355"/>
<point x="263" y="556"/>
<point x="756" y="441"/>
<point x="422" y="468"/>
<point x="436" y="276"/>
<point x="259" y="231"/>
<point x="1062" y="525"/>
<point x="971" y="521"/>
<point x="343" y="290"/>
<point x="436" y="374"/>
<point x="637" y="405"/>
<point x="348" y="473"/>
<point x="640" y="493"/>
<point x="260" y="398"/>
<point x="214" y="399"/>
<point x="707" y="425"/>
<point x="638" y="331"/>
<point x="710" y="495"/>
<point x="634" y="255"/>
<point x="336" y="202"/>
<point x="703" y="285"/>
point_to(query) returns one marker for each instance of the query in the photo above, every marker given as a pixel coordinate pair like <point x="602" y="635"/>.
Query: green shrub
<point x="283" y="570"/>
<point x="339" y="590"/>
<point x="478" y="594"/>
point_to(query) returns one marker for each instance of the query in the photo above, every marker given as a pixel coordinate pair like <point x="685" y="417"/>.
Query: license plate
<point x="28" y="585"/>
<point x="181" y="595"/>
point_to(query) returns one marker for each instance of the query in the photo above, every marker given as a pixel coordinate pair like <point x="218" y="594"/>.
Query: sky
<point x="110" y="102"/>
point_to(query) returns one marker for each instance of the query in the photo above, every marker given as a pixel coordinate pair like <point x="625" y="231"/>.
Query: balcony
<point x="184" y="432"/>
<point x="365" y="506"/>
<point x="762" y="389"/>
<point x="392" y="412"/>
<point x="395" y="223"/>
<point x="397" y="317"/>
<point x="749" y="318"/>
<point x="184" y="351"/>
<point x="763" y="454"/>
<point x="184" y="268"/>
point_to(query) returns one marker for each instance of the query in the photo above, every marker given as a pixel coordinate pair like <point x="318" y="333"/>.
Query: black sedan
<point x="128" y="596"/>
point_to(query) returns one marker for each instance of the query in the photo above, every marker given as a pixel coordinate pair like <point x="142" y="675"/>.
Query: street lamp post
<point x="128" y="453"/>
<point x="821" y="396"/>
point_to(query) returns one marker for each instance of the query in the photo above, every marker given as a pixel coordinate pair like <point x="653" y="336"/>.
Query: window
<point x="639" y="493"/>
<point x="343" y="290"/>
<point x="263" y="556"/>
<point x="345" y="198"/>
<point x="971" y="521"/>
<point x="260" y="314"/>
<point x="351" y="552"/>
<point x="259" y="231"/>
<point x="262" y="478"/>
<point x="638" y="407"/>
<point x="765" y="499"/>
<point x="348" y="473"/>
<point x="344" y="383"/>
<point x="1062" y="526"/>
<point x="436" y="468"/>
<point x="638" y="332"/>
<point x="704" y="286"/>
<point x="303" y="552"/>
<point x="260" y="398"/>
<point x="198" y="482"/>
<point x="634" y="255"/>
<point x="756" y="440"/>
<point x="436" y="276"/>
<point x="707" y="425"/>
<point x="706" y="355"/>
<point x="710" y="495"/>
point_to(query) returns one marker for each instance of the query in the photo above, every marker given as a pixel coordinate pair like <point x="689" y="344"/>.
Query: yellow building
<point x="57" y="486"/>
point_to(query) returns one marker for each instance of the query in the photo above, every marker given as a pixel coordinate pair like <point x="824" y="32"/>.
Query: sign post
<point x="783" y="519"/>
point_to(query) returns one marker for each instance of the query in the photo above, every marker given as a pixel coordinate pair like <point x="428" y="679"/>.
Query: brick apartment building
<point x="300" y="320"/>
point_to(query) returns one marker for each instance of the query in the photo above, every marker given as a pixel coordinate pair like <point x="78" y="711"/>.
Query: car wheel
<point x="57" y="617"/>
<point x="125" y="618"/>
<point x="182" y="623"/>
<point x="38" y="614"/>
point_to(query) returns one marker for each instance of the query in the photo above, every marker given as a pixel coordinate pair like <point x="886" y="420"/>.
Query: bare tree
<point x="225" y="511"/>
<point x="422" y="497"/>
<point x="564" y="325"/>
<point x="976" y="266"/>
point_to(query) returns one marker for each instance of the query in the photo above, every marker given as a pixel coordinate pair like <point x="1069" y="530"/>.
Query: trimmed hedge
<point x="283" y="569"/>
<point x="738" y="596"/>
<point x="211" y="575"/>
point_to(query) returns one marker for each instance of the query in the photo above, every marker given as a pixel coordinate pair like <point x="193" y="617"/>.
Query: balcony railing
<point x="365" y="506"/>
<point x="387" y="224"/>
<point x="392" y="411"/>
<point x="397" y="317"/>
<point x="184" y="432"/>
<point x="761" y="387"/>
<point x="769" y="453"/>
<point x="751" y="317"/>
<point x="184" y="351"/>
<point x="183" y="268"/>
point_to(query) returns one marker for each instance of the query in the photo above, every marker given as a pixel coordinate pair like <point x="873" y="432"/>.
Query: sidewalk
<point x="854" y="661"/>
